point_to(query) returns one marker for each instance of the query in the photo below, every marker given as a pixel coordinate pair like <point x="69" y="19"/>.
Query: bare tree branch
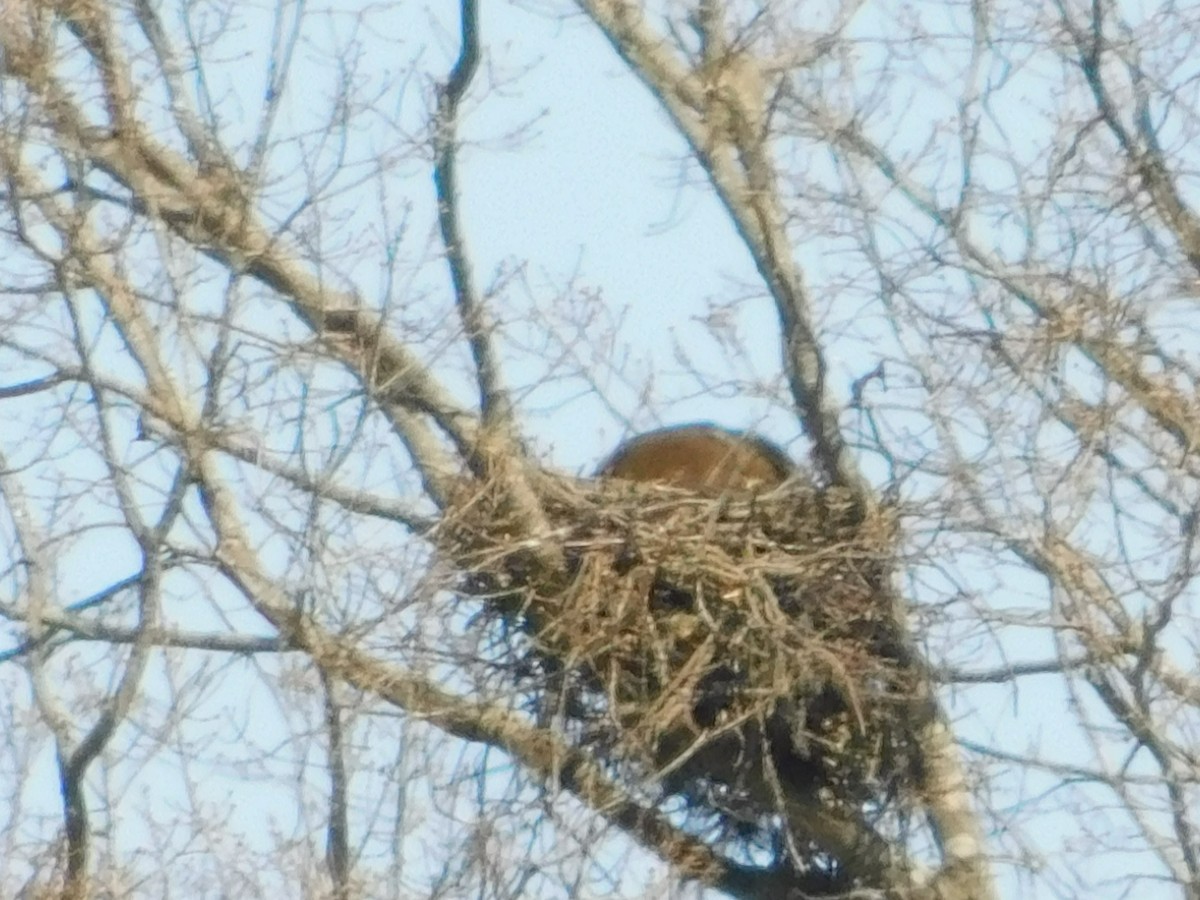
<point x="720" y="110"/>
<point x="497" y="411"/>
<point x="293" y="606"/>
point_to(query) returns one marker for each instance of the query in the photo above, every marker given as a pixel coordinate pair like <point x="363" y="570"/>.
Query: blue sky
<point x="608" y="252"/>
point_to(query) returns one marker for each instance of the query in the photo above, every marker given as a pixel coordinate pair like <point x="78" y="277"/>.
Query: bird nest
<point x="733" y="650"/>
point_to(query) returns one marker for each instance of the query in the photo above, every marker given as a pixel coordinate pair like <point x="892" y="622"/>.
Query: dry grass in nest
<point x="703" y="640"/>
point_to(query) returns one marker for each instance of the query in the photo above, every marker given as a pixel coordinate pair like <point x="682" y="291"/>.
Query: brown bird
<point x="700" y="457"/>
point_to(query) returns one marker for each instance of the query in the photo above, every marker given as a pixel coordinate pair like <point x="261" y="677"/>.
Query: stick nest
<point x="732" y="650"/>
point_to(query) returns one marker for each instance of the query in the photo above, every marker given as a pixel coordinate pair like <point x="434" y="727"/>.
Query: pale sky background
<point x="597" y="189"/>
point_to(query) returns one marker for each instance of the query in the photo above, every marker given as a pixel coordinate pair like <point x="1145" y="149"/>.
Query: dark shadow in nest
<point x="729" y="653"/>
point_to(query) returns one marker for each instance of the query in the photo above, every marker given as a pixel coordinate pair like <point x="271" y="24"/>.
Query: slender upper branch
<point x="1139" y="143"/>
<point x="492" y="397"/>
